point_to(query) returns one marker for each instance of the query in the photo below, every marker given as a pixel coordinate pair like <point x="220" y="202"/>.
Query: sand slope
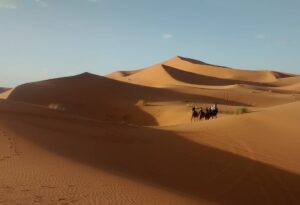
<point x="88" y="95"/>
<point x="102" y="98"/>
<point x="287" y="81"/>
<point x="291" y="83"/>
<point x="293" y="87"/>
<point x="225" y="161"/>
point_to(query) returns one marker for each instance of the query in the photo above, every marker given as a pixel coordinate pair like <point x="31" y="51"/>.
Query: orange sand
<point x="127" y="138"/>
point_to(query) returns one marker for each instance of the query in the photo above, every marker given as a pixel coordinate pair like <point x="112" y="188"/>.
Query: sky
<point x="42" y="39"/>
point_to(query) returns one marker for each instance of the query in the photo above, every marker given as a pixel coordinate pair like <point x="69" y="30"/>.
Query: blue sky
<point x="42" y="39"/>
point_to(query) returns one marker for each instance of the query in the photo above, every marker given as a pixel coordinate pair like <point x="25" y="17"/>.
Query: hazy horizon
<point x="42" y="39"/>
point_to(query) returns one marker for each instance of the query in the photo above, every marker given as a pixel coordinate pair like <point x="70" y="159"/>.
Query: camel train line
<point x="209" y="113"/>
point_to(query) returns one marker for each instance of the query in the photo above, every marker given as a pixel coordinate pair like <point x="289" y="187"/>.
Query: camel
<point x="195" y="114"/>
<point x="201" y="114"/>
<point x="210" y="113"/>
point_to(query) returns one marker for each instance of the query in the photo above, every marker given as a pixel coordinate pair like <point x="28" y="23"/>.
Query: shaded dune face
<point x="288" y="84"/>
<point x="287" y="81"/>
<point x="84" y="95"/>
<point x="198" y="79"/>
<point x="101" y="98"/>
<point x="200" y="67"/>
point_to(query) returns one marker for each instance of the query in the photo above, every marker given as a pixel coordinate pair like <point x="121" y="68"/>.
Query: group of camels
<point x="209" y="113"/>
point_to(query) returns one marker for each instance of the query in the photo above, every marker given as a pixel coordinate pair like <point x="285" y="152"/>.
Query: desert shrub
<point x="56" y="106"/>
<point x="241" y="110"/>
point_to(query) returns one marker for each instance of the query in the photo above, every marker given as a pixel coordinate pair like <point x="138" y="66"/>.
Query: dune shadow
<point x="277" y="74"/>
<point x="162" y="159"/>
<point x="198" y="79"/>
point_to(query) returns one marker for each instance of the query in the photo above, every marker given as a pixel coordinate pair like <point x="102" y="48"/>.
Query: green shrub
<point x="241" y="110"/>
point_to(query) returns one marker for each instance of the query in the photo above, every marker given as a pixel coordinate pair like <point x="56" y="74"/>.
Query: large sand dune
<point x="127" y="138"/>
<point x="102" y="98"/>
<point x="180" y="69"/>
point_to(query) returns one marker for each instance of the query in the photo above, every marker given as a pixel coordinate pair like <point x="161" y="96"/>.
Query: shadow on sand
<point x="198" y="79"/>
<point x="161" y="158"/>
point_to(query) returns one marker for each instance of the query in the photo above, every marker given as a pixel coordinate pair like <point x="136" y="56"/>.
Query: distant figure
<point x="207" y="113"/>
<point x="201" y="114"/>
<point x="195" y="114"/>
<point x="215" y="111"/>
<point x="212" y="112"/>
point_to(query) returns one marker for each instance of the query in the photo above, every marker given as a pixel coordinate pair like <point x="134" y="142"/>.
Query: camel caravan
<point x="209" y="113"/>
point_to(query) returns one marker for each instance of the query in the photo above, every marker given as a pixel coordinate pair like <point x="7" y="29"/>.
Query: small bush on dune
<point x="241" y="110"/>
<point x="56" y="106"/>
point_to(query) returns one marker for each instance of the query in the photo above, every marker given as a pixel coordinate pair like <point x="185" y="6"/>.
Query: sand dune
<point x="215" y="162"/>
<point x="287" y="81"/>
<point x="110" y="100"/>
<point x="190" y="66"/>
<point x="127" y="138"/>
<point x="88" y="95"/>
<point x="295" y="86"/>
<point x="291" y="83"/>
<point x="102" y="98"/>
<point x="169" y="76"/>
<point x="195" y="66"/>
<point x="274" y="146"/>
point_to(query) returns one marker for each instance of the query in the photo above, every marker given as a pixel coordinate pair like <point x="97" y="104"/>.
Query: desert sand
<point x="127" y="138"/>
